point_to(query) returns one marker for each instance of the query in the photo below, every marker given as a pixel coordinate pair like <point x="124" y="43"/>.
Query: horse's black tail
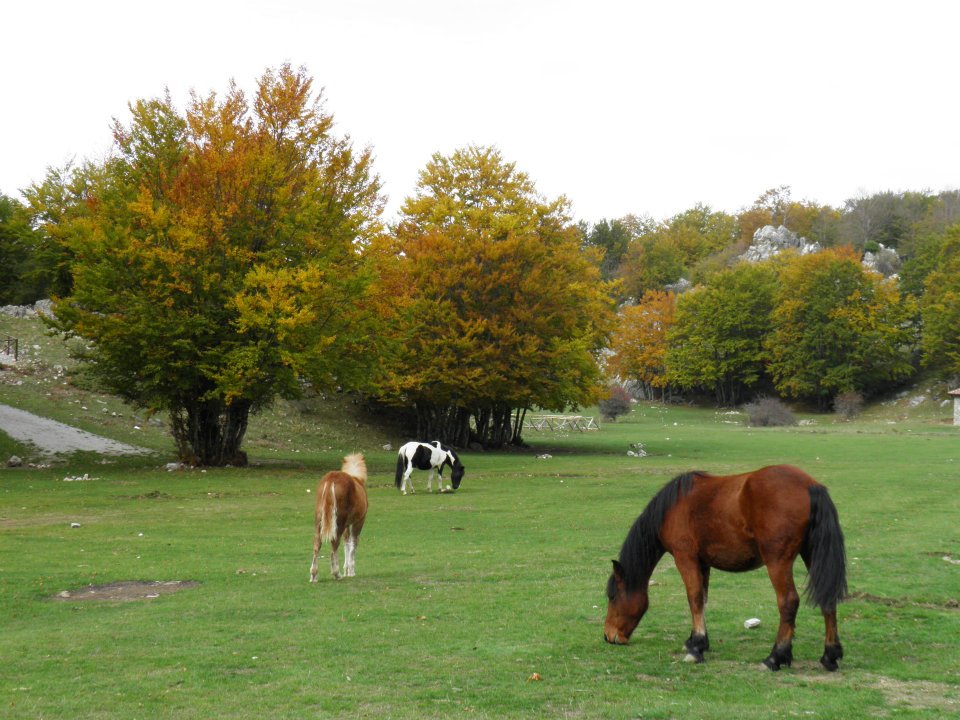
<point x="824" y="552"/>
<point x="401" y="466"/>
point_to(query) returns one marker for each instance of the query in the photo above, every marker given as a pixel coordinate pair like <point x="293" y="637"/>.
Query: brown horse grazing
<point x="735" y="523"/>
<point x="341" y="508"/>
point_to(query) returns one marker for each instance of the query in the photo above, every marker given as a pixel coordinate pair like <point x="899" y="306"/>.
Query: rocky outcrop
<point x="40" y="306"/>
<point x="885" y="261"/>
<point x="769" y="241"/>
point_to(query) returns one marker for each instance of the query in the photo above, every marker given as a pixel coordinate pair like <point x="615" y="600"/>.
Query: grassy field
<point x="484" y="603"/>
<point x="462" y="598"/>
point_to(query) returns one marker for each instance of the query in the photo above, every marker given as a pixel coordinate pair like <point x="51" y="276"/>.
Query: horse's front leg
<point x="696" y="579"/>
<point x="788" y="602"/>
<point x="407" y="481"/>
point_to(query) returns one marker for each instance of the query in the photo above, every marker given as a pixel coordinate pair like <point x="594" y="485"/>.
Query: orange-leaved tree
<point x="218" y="257"/>
<point x="639" y="343"/>
<point x="502" y="309"/>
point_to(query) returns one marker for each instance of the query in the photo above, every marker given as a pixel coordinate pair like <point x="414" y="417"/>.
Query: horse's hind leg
<point x="334" y="559"/>
<point x="316" y="551"/>
<point x="349" y="553"/>
<point x="832" y="649"/>
<point x="788" y="601"/>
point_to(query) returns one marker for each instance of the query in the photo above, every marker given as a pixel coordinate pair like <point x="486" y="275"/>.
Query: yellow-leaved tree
<point x="217" y="256"/>
<point x="501" y="310"/>
<point x="639" y="343"/>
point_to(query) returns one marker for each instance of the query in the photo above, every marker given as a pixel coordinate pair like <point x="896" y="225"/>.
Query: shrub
<point x="848" y="405"/>
<point x="616" y="403"/>
<point x="769" y="412"/>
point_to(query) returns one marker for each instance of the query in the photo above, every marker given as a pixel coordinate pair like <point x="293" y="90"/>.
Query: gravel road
<point x="52" y="437"/>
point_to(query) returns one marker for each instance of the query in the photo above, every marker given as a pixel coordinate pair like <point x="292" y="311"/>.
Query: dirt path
<point x="52" y="437"/>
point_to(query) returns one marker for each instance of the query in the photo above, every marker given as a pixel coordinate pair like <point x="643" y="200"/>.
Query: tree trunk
<point x="211" y="432"/>
<point x="446" y="423"/>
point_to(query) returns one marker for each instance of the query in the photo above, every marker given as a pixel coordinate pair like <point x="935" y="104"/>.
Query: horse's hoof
<point x="691" y="658"/>
<point x="770" y="664"/>
<point x="829" y="664"/>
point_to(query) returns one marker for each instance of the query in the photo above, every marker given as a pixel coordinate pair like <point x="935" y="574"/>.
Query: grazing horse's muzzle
<point x="613" y="637"/>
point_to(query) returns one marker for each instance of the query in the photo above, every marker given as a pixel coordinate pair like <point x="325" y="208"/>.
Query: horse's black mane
<point x="642" y="548"/>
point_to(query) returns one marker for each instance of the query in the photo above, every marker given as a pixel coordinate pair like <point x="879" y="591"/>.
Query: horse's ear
<point x="617" y="571"/>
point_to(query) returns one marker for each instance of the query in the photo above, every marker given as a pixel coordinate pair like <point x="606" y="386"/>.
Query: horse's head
<point x="625" y="608"/>
<point x="457" y="474"/>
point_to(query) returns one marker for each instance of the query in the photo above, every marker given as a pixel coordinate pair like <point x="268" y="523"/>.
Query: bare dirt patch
<point x="128" y="591"/>
<point x="951" y="604"/>
<point x="919" y="694"/>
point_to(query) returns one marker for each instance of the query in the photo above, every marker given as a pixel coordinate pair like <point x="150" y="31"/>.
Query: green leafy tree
<point x="501" y="308"/>
<point x="215" y="257"/>
<point x="838" y="328"/>
<point x="717" y="339"/>
<point x="940" y="309"/>
<point x="14" y="249"/>
<point x="652" y="262"/>
<point x="924" y="260"/>
<point x="612" y="238"/>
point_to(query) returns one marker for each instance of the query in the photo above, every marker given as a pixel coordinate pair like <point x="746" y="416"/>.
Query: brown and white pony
<point x="735" y="523"/>
<point x="341" y="509"/>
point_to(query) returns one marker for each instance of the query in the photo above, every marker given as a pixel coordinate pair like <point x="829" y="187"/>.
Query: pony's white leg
<point x="407" y="481"/>
<point x="334" y="560"/>
<point x="350" y="555"/>
<point x="430" y="481"/>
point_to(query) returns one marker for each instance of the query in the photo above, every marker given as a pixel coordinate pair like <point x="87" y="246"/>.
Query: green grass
<point x="460" y="598"/>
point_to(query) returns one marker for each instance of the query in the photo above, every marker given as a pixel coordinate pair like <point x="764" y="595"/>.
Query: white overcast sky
<point x="624" y="107"/>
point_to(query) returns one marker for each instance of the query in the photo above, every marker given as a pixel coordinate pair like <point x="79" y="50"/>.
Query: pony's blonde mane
<point x="355" y="466"/>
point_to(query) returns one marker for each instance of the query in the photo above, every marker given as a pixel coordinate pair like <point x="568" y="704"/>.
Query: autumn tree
<point x="639" y="343"/>
<point x="667" y="252"/>
<point x="837" y="327"/>
<point x="502" y="309"/>
<point x="216" y="261"/>
<point x="717" y="339"/>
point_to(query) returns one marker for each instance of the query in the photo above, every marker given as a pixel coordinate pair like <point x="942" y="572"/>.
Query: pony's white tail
<point x="328" y="512"/>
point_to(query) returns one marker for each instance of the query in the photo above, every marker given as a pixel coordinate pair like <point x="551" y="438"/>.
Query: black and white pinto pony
<point x="427" y="456"/>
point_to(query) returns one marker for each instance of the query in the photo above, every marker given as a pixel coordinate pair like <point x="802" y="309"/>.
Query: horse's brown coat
<point x="736" y="523"/>
<point x="341" y="510"/>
